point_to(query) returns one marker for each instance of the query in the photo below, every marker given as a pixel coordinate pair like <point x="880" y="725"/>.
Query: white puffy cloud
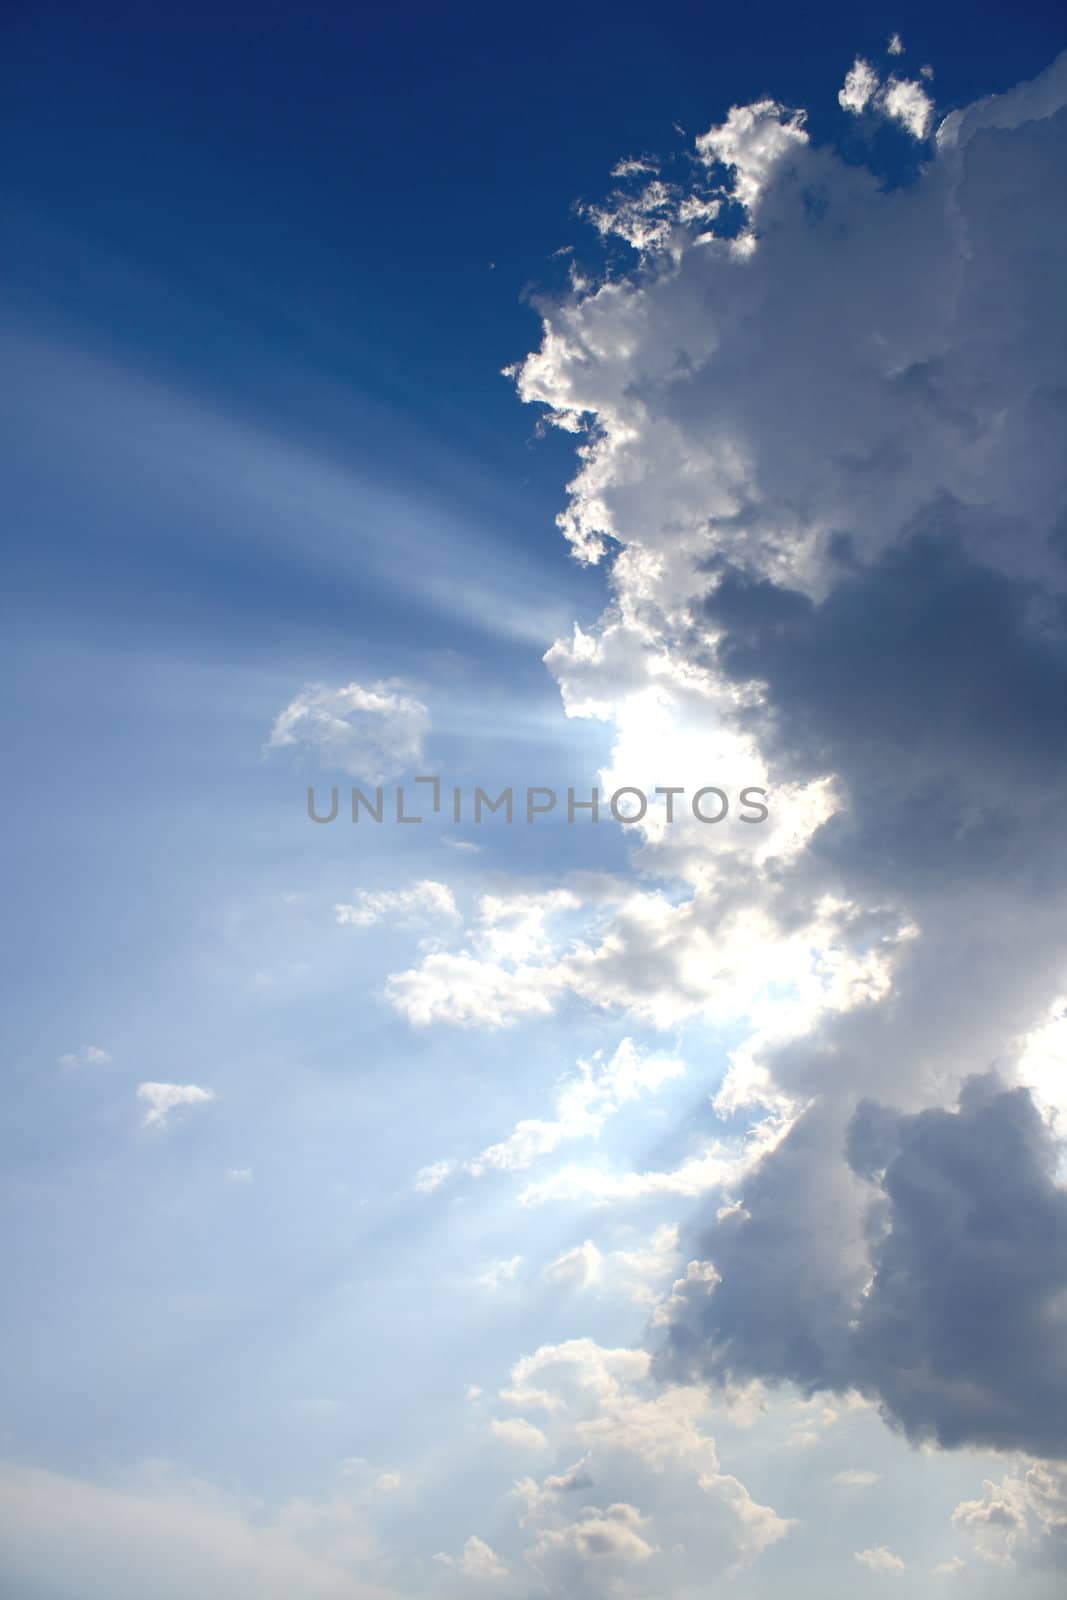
<point x="637" y="1482"/>
<point x="373" y="732"/>
<point x="478" y="1560"/>
<point x="613" y="1534"/>
<point x="902" y="99"/>
<point x="860" y="86"/>
<point x="163" y="1098"/>
<point x="1020" y="1520"/>
<point x="907" y="101"/>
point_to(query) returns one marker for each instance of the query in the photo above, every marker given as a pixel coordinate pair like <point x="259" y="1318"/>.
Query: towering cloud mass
<point x="822" y="445"/>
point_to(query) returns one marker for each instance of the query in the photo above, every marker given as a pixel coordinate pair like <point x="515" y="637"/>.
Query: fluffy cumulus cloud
<point x="477" y="1560"/>
<point x="372" y="732"/>
<point x="624" y="1492"/>
<point x="1020" y="1520"/>
<point x="821" y="452"/>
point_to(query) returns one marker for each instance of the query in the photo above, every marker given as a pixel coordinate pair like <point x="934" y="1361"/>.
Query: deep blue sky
<point x="338" y="179"/>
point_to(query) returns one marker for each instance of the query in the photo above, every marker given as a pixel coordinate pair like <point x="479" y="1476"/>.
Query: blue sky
<point x="553" y="1209"/>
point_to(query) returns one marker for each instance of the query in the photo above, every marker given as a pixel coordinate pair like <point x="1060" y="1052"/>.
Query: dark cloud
<point x="963" y="1332"/>
<point x="934" y="686"/>
<point x="958" y="1325"/>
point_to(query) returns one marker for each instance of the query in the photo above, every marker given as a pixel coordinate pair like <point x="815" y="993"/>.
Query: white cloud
<point x="895" y="47"/>
<point x="902" y="99"/>
<point x="612" y="1534"/>
<point x="722" y="1164"/>
<point x="579" y="1267"/>
<point x="584" y="1102"/>
<point x="753" y="141"/>
<point x="908" y="102"/>
<point x="425" y="898"/>
<point x="500" y="1272"/>
<point x="879" y="1559"/>
<point x="518" y="1431"/>
<point x="860" y="87"/>
<point x="855" y="1478"/>
<point x="478" y="1561"/>
<point x="163" y="1098"/>
<point x="239" y="1175"/>
<point x="372" y="732"/>
<point x="1020" y="1519"/>
<point x="90" y="1055"/>
<point x="431" y="1177"/>
<point x="637" y="1479"/>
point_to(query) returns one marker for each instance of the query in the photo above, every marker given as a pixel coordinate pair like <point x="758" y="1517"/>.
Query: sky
<point x="660" y="1205"/>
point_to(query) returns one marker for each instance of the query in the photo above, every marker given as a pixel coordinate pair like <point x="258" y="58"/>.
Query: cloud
<point x="612" y="1535"/>
<point x="500" y="1272"/>
<point x="821" y="453"/>
<point x="163" y="1098"/>
<point x="637" y="1495"/>
<point x="879" y="1559"/>
<point x="1020" y="1521"/>
<point x="158" y="1532"/>
<point x="584" y="1102"/>
<point x="580" y="1267"/>
<point x="951" y="1313"/>
<point x="855" y="1478"/>
<point x="426" y="898"/>
<point x="432" y="1176"/>
<point x="519" y="1432"/>
<point x="372" y="732"/>
<point x="90" y="1055"/>
<point x="861" y="84"/>
<point x="963" y="1328"/>
<point x="478" y="1560"/>
<point x="904" y="100"/>
<point x="908" y="102"/>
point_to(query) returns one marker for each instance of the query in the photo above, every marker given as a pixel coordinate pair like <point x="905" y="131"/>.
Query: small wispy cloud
<point x="426" y="898"/>
<point x="879" y="1559"/>
<point x="163" y="1098"/>
<point x="373" y="732"/>
<point x="90" y="1055"/>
